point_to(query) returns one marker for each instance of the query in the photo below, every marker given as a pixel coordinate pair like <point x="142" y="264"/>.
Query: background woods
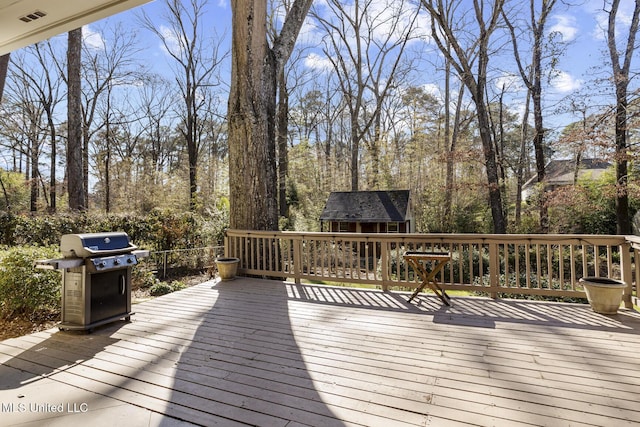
<point x="462" y="102"/>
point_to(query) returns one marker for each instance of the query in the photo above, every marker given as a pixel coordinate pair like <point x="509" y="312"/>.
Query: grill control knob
<point x="116" y="262"/>
<point x="101" y="264"/>
<point x="129" y="260"/>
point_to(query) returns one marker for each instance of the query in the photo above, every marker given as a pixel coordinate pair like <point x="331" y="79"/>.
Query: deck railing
<point x="163" y="262"/>
<point x="531" y="264"/>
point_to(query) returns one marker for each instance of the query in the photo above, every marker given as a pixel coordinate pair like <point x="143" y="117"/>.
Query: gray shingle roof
<point x="367" y="206"/>
<point x="561" y="172"/>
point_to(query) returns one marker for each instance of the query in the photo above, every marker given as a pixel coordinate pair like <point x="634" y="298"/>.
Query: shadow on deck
<point x="268" y="353"/>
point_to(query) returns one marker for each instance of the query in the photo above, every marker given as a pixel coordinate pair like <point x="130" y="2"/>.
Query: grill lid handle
<point x="131" y="247"/>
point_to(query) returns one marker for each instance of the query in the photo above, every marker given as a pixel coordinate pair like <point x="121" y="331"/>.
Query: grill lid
<point x="95" y="244"/>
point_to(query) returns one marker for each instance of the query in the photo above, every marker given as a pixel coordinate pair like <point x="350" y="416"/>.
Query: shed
<point x="368" y="212"/>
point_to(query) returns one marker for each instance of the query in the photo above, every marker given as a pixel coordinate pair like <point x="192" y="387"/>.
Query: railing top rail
<point x="594" y="239"/>
<point x="187" y="249"/>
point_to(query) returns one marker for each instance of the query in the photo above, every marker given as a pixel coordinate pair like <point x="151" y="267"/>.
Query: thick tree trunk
<point x="75" y="168"/>
<point x="252" y="109"/>
<point x="251" y="113"/>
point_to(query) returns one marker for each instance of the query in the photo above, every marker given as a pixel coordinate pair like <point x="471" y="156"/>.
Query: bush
<point x="159" y="230"/>
<point x="163" y="288"/>
<point x="24" y="290"/>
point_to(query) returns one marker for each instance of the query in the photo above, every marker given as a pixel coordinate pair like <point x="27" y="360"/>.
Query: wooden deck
<point x="267" y="353"/>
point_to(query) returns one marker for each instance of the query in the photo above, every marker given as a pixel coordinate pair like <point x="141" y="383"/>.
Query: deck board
<point x="268" y="353"/>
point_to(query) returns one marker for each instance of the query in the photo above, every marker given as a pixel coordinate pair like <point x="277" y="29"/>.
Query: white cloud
<point x="433" y="90"/>
<point x="171" y="40"/>
<point x="623" y="19"/>
<point x="317" y="62"/>
<point x="566" y="26"/>
<point x="92" y="39"/>
<point x="564" y="82"/>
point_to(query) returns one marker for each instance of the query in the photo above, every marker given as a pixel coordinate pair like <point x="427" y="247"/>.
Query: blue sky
<point x="581" y="26"/>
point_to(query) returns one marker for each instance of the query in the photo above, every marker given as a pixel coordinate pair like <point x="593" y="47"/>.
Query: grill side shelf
<point x="58" y="263"/>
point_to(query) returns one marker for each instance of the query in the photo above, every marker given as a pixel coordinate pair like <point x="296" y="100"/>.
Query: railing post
<point x="494" y="269"/>
<point x="227" y="249"/>
<point x="627" y="275"/>
<point x="384" y="259"/>
<point x="297" y="259"/>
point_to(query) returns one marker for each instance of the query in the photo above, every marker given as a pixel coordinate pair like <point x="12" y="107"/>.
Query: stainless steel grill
<point x="96" y="278"/>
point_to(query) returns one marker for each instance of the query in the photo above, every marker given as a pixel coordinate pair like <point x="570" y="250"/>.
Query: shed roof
<point x="367" y="206"/>
<point x="561" y="172"/>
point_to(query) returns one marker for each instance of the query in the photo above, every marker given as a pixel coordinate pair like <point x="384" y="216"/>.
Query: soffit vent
<point x="33" y="16"/>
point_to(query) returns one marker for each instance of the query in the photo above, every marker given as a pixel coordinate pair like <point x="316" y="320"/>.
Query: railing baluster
<point x="494" y="262"/>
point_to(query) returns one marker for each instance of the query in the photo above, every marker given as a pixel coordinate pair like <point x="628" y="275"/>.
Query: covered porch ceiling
<point x="25" y="22"/>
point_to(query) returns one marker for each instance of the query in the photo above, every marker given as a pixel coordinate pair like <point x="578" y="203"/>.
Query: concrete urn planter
<point x="227" y="268"/>
<point x="604" y="294"/>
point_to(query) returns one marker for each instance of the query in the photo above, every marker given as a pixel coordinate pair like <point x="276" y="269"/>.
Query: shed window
<point x="392" y="227"/>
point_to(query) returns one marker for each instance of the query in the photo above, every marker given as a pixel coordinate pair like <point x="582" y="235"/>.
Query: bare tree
<point x="621" y="67"/>
<point x="532" y="77"/>
<point x="36" y="90"/>
<point x="251" y="110"/>
<point x="197" y="60"/>
<point x="104" y="67"/>
<point x="471" y="64"/>
<point x="155" y="104"/>
<point x="365" y="44"/>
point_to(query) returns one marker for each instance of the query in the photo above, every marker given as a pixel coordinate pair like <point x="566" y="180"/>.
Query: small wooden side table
<point x="419" y="261"/>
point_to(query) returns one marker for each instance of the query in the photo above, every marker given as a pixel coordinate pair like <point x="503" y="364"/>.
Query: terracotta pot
<point x="604" y="294"/>
<point x="227" y="268"/>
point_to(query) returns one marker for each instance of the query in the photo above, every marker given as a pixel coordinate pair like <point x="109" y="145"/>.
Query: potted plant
<point x="604" y="294"/>
<point x="227" y="267"/>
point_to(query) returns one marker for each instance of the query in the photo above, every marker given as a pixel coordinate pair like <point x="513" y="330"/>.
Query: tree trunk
<point x="52" y="162"/>
<point x="538" y="136"/>
<point x="495" y="197"/>
<point x="74" y="110"/>
<point x="283" y="161"/>
<point x="520" y="170"/>
<point x="4" y="66"/>
<point x="355" y="153"/>
<point x="251" y="111"/>
<point x="251" y="116"/>
<point x="621" y="82"/>
<point x="35" y="154"/>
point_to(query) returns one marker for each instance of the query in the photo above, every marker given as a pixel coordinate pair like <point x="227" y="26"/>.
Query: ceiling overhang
<point x="25" y="22"/>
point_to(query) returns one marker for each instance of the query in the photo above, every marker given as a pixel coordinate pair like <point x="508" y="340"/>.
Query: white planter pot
<point x="227" y="268"/>
<point x="604" y="294"/>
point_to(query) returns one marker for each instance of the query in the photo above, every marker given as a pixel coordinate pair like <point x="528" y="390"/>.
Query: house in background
<point x="368" y="212"/>
<point x="560" y="173"/>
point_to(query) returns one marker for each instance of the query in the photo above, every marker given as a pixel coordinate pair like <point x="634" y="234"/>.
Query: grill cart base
<point x="92" y="300"/>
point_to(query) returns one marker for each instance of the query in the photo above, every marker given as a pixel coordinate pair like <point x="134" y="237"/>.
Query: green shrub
<point x="163" y="288"/>
<point x="158" y="230"/>
<point x="24" y="290"/>
<point x="142" y="279"/>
